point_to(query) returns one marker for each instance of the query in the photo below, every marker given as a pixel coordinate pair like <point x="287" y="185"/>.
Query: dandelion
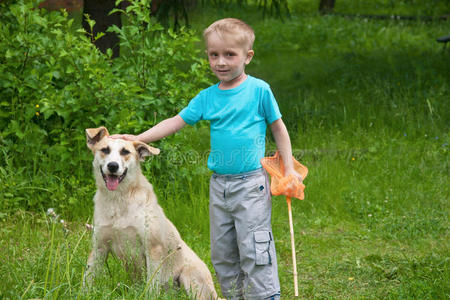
<point x="37" y="113"/>
<point x="51" y="212"/>
<point x="351" y="278"/>
<point x="353" y="158"/>
<point x="64" y="225"/>
<point x="55" y="219"/>
<point x="37" y="105"/>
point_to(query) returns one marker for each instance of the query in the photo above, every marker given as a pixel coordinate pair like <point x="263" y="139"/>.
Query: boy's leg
<point x="224" y="248"/>
<point x="251" y="209"/>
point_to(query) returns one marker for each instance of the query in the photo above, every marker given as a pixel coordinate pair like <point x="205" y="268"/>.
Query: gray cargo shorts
<point x="242" y="244"/>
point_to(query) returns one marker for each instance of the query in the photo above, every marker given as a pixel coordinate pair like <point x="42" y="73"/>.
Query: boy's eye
<point x="105" y="150"/>
<point x="124" y="152"/>
<point x="231" y="54"/>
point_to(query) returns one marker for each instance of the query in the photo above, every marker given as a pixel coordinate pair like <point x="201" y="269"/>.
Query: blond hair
<point x="238" y="30"/>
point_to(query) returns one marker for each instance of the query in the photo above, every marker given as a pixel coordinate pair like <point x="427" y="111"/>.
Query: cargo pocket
<point x="262" y="247"/>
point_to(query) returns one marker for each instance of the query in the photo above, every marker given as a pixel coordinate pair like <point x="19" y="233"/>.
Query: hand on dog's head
<point x="95" y="135"/>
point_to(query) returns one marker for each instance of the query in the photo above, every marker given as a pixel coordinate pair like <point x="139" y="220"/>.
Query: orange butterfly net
<point x="290" y="187"/>
<point x="281" y="185"/>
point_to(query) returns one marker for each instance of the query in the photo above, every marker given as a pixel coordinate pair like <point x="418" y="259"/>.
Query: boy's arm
<point x="157" y="132"/>
<point x="283" y="142"/>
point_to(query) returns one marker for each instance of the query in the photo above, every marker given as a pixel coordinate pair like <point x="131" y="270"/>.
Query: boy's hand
<point x="290" y="185"/>
<point x="292" y="171"/>
<point x="128" y="137"/>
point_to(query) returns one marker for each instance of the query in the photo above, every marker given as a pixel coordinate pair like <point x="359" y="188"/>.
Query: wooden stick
<point x="294" y="260"/>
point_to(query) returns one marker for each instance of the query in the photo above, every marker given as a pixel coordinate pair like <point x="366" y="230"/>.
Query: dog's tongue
<point x="112" y="182"/>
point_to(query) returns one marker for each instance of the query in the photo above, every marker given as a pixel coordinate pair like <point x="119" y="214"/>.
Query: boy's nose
<point x="221" y="61"/>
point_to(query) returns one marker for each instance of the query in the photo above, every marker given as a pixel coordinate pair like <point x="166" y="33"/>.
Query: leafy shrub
<point x="54" y="83"/>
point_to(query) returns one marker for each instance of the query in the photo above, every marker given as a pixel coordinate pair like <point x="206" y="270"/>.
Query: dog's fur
<point x="129" y="222"/>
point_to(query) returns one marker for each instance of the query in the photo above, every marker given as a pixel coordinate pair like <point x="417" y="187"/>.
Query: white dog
<point x="129" y="222"/>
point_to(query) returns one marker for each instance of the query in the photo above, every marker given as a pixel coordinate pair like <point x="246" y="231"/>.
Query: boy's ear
<point x="250" y="54"/>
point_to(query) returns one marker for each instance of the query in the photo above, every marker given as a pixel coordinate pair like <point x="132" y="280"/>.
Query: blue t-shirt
<point x="238" y="119"/>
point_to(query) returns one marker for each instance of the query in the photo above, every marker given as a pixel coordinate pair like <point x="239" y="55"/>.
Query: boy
<point x="238" y="107"/>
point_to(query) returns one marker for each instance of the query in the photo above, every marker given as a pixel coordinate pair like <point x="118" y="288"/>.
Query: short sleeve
<point x="193" y="113"/>
<point x="270" y="106"/>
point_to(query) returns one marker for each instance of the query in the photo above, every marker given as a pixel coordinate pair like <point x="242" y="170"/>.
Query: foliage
<point x="273" y="8"/>
<point x="433" y="8"/>
<point x="389" y="7"/>
<point x="54" y="83"/>
<point x="165" y="66"/>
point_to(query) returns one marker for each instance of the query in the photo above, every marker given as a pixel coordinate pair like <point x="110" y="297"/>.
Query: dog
<point x="129" y="222"/>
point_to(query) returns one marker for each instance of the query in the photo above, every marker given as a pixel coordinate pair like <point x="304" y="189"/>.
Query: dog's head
<point x="116" y="161"/>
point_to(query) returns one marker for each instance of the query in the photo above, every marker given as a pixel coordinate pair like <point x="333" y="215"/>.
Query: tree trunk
<point x="326" y="6"/>
<point x="98" y="10"/>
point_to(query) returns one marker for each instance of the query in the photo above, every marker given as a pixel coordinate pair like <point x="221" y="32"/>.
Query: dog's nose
<point x="113" y="167"/>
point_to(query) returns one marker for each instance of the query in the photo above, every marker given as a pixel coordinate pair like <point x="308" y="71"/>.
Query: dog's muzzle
<point x="112" y="180"/>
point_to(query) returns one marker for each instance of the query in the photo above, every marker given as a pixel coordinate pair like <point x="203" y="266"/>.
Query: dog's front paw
<point x="88" y="278"/>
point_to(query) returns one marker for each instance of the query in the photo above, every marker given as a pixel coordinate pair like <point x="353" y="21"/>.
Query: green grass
<point x="375" y="220"/>
<point x="369" y="228"/>
<point x="374" y="225"/>
<point x="366" y="104"/>
<point x="49" y="260"/>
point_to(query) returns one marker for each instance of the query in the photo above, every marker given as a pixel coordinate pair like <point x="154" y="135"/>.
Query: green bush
<point x="54" y="83"/>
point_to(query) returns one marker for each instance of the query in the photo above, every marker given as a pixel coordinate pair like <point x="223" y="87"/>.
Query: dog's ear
<point x="144" y="150"/>
<point x="94" y="135"/>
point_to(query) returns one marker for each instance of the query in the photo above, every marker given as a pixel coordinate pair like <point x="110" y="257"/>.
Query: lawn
<point x="366" y="103"/>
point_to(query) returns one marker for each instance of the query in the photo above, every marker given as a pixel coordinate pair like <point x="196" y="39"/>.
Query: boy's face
<point x="227" y="59"/>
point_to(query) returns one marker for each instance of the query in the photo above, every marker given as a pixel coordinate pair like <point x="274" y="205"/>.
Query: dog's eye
<point x="106" y="150"/>
<point x="124" y="152"/>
